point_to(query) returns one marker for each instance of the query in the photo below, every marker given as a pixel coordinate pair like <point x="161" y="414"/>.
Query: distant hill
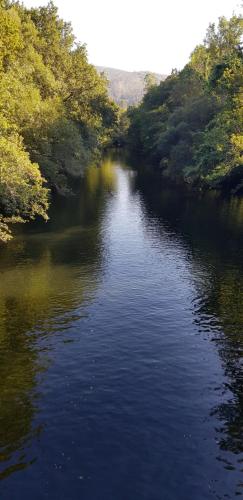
<point x="126" y="87"/>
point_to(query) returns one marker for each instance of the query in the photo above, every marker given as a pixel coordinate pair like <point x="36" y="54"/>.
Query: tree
<point x="191" y="124"/>
<point x="149" y="81"/>
<point x="55" y="113"/>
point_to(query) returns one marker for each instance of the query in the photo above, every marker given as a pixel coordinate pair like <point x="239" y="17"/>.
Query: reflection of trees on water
<point x="45" y="279"/>
<point x="212" y="229"/>
<point x="225" y="301"/>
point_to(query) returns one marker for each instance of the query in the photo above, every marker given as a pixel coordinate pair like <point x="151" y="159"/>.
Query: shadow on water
<point x="211" y="226"/>
<point x="48" y="274"/>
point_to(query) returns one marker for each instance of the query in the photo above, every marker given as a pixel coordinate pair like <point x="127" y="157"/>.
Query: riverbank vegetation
<point x="55" y="113"/>
<point x="56" y="116"/>
<point x="191" y="124"/>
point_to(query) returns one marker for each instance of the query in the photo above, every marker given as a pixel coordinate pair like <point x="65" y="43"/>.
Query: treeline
<point x="55" y="113"/>
<point x="191" y="124"/>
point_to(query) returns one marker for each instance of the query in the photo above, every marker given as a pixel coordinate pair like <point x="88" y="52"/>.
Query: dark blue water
<point x="121" y="335"/>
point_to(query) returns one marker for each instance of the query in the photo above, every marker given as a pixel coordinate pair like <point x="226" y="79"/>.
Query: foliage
<point x="191" y="124"/>
<point x="55" y="113"/>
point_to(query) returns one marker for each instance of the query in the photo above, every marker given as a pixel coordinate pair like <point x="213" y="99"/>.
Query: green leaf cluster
<point x="191" y="124"/>
<point x="55" y="113"/>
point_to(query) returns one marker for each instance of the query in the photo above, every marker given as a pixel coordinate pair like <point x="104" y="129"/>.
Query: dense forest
<point x="190" y="125"/>
<point x="55" y="112"/>
<point x="127" y="88"/>
<point x="56" y="115"/>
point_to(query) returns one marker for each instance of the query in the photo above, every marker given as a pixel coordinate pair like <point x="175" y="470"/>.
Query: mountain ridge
<point x="127" y="87"/>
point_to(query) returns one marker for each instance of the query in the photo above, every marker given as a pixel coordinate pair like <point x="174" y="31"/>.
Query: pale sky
<point x="149" y="35"/>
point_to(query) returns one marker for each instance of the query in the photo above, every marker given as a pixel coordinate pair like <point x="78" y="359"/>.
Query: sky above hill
<point x="134" y="35"/>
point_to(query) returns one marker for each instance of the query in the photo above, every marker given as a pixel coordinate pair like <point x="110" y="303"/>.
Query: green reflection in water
<point x="50" y="272"/>
<point x="47" y="271"/>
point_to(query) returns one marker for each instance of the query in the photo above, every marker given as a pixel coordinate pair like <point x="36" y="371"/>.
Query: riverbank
<point x="55" y="113"/>
<point x="190" y="126"/>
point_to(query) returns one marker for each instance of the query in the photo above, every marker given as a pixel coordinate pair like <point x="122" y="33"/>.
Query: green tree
<point x="55" y="113"/>
<point x="191" y="124"/>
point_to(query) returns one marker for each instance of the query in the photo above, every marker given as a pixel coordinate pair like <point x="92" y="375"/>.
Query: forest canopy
<point x="55" y="113"/>
<point x="191" y="124"/>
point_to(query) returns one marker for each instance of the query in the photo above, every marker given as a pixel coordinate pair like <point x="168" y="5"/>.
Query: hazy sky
<point x="151" y="35"/>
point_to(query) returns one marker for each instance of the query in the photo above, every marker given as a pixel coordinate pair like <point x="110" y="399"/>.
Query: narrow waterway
<point x="121" y="337"/>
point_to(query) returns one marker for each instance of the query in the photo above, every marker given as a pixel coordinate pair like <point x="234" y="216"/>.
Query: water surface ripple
<point x="121" y="336"/>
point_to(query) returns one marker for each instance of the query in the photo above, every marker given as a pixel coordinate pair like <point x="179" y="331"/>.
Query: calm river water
<point x="121" y="338"/>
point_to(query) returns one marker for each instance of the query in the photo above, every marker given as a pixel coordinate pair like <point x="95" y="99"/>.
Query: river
<point x="121" y="337"/>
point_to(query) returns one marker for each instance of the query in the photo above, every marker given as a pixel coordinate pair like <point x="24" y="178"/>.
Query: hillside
<point x="126" y="87"/>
